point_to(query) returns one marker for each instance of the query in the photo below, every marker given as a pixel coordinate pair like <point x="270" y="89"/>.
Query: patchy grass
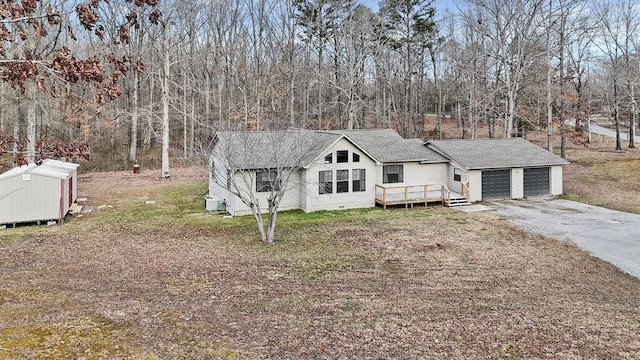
<point x="168" y="280"/>
<point x="600" y="175"/>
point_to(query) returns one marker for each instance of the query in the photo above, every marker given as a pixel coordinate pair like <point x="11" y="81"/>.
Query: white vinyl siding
<point x="415" y="173"/>
<point x="556" y="180"/>
<point x="363" y="198"/>
<point x="235" y="206"/>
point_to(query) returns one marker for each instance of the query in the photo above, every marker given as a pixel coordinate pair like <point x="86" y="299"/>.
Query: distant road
<point x="607" y="132"/>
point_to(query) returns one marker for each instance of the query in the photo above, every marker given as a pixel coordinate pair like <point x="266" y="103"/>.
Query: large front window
<point x="392" y="174"/>
<point x="267" y="181"/>
<point x="325" y="182"/>
<point x="342" y="181"/>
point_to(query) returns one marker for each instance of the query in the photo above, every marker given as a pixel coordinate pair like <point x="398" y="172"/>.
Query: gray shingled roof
<point x="387" y="146"/>
<point x="271" y="149"/>
<point x="495" y="153"/>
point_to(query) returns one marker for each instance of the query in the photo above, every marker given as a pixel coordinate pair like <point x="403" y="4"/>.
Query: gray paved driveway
<point x="613" y="236"/>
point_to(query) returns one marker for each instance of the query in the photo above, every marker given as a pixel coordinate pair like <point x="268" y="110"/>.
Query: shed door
<point x="70" y="191"/>
<point x="496" y="184"/>
<point x="536" y="181"/>
<point x="62" y="212"/>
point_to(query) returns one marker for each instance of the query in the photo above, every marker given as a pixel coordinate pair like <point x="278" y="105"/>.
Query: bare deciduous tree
<point x="35" y="58"/>
<point x="617" y="33"/>
<point x="513" y="30"/>
<point x="260" y="167"/>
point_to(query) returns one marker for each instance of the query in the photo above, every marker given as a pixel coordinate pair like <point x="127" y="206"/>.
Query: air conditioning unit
<point x="212" y="204"/>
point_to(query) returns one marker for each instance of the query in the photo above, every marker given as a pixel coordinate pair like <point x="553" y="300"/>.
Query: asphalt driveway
<point x="613" y="236"/>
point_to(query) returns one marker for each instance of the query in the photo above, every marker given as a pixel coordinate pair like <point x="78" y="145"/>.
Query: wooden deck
<point x="414" y="194"/>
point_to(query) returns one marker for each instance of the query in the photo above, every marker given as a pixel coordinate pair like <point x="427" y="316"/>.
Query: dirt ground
<point x="166" y="280"/>
<point x="424" y="283"/>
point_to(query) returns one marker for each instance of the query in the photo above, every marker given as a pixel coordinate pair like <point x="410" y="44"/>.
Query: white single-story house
<point x="342" y="169"/>
<point x="38" y="192"/>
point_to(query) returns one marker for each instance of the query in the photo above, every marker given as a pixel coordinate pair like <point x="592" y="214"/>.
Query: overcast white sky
<point x="441" y="5"/>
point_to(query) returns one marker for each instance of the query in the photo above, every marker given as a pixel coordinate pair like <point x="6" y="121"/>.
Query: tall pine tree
<point x="409" y="27"/>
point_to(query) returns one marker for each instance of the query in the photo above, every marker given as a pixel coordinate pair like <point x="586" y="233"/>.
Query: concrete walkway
<point x="613" y="236"/>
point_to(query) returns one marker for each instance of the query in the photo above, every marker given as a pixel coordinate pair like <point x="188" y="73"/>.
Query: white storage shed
<point x="36" y="193"/>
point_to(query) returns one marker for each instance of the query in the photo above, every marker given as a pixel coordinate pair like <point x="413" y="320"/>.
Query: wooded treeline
<point x="494" y="67"/>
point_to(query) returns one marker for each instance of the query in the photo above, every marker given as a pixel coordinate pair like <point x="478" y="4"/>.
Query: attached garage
<point x="496" y="184"/>
<point x="536" y="181"/>
<point x="503" y="168"/>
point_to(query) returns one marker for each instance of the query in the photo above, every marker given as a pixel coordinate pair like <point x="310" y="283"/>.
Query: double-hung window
<point x="457" y="174"/>
<point x="267" y="180"/>
<point x="342" y="181"/>
<point x="325" y="182"/>
<point x="392" y="174"/>
<point x="358" y="180"/>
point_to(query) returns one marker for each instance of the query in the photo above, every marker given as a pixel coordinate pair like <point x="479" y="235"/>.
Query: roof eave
<point x="443" y="161"/>
<point x="515" y="166"/>
<point x="446" y="155"/>
<point x="378" y="162"/>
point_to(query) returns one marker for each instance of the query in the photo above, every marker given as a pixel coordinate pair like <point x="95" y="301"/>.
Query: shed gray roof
<point x="387" y="146"/>
<point x="495" y="153"/>
<point x="272" y="149"/>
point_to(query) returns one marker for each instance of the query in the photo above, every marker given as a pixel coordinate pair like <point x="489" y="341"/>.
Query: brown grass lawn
<point x="602" y="176"/>
<point x="168" y="281"/>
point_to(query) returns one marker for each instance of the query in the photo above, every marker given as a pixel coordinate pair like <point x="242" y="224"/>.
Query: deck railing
<point x="419" y="194"/>
<point x="465" y="191"/>
<point x="409" y="194"/>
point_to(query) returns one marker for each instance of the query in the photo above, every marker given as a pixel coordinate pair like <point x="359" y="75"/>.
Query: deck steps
<point x="457" y="201"/>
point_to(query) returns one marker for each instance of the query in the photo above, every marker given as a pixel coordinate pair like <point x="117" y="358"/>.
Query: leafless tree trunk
<point x="513" y="29"/>
<point x="236" y="169"/>
<point x="549" y="83"/>
<point x="613" y="36"/>
<point x="133" y="146"/>
<point x="31" y="103"/>
<point x="185" y="116"/>
<point x="164" y="82"/>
